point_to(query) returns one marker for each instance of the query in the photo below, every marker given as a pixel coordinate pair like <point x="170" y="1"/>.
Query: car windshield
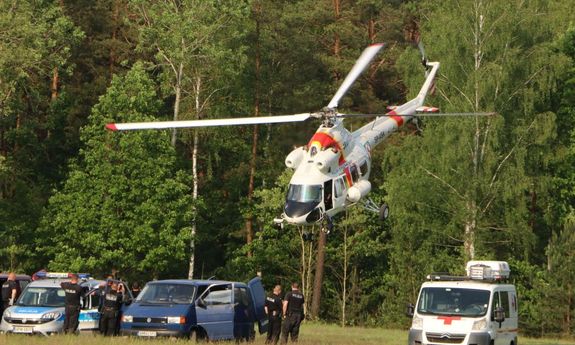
<point x="42" y="297"/>
<point x="453" y="301"/>
<point x="304" y="192"/>
<point x="167" y="294"/>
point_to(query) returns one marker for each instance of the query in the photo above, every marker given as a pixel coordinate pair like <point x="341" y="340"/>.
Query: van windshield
<point x="42" y="297"/>
<point x="453" y="301"/>
<point x="167" y="294"/>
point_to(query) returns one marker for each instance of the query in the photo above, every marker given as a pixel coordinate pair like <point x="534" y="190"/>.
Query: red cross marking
<point x="447" y="319"/>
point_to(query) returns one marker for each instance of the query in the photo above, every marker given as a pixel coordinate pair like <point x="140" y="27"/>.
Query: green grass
<point x="311" y="334"/>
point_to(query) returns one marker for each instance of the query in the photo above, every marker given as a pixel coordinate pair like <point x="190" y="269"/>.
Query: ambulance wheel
<point x="383" y="212"/>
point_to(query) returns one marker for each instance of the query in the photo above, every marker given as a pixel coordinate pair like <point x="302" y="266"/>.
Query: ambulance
<point x="477" y="309"/>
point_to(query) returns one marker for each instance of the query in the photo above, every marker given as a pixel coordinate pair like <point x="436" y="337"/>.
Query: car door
<point x="215" y="311"/>
<point x="258" y="300"/>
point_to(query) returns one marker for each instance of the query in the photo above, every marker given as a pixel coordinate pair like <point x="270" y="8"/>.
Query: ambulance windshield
<point x="304" y="193"/>
<point x="453" y="301"/>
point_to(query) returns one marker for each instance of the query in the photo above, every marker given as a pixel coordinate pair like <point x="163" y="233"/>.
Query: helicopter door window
<point x="339" y="187"/>
<point x="328" y="197"/>
<point x="354" y="173"/>
<point x="363" y="168"/>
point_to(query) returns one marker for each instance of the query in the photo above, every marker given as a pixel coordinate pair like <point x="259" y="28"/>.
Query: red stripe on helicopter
<point x="325" y="141"/>
<point x="348" y="179"/>
<point x="393" y="115"/>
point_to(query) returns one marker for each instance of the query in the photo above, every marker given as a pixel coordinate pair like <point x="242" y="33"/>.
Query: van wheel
<point x="197" y="336"/>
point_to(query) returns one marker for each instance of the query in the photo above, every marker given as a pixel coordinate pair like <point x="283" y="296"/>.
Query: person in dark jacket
<point x="110" y="308"/>
<point x="293" y="313"/>
<point x="10" y="291"/>
<point x="74" y="293"/>
<point x="274" y="311"/>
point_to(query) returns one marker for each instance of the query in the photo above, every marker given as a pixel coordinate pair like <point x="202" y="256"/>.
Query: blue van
<point x="197" y="309"/>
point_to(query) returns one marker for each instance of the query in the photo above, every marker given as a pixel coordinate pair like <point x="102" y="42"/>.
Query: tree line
<point x="199" y="203"/>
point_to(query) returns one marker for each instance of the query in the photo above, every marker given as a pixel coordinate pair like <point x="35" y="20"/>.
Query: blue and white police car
<point x="40" y="307"/>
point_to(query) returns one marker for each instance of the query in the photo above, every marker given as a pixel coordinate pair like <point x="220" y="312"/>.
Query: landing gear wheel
<point x="383" y="212"/>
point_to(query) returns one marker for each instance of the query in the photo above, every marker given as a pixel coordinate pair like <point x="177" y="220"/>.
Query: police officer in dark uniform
<point x="74" y="293"/>
<point x="293" y="313"/>
<point x="110" y="308"/>
<point x="274" y="311"/>
<point x="10" y="291"/>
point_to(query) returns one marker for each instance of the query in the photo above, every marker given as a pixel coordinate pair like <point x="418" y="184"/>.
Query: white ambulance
<point x="478" y="309"/>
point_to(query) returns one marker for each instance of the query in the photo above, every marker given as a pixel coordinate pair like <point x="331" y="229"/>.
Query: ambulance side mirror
<point x="499" y="315"/>
<point x="410" y="310"/>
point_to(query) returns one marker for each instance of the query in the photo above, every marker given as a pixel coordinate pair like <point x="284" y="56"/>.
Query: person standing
<point x="274" y="311"/>
<point x="135" y="289"/>
<point x="74" y="293"/>
<point x="293" y="313"/>
<point x="111" y="308"/>
<point x="10" y="291"/>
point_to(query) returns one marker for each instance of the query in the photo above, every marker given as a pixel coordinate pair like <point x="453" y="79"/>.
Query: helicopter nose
<point x="302" y="213"/>
<point x="295" y="209"/>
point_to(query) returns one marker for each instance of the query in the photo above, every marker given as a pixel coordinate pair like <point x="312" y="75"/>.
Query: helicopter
<point x="331" y="172"/>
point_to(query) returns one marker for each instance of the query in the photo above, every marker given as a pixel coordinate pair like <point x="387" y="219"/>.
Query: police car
<point x="40" y="308"/>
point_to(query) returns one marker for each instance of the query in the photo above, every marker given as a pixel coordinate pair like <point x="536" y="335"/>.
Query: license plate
<point x="21" y="329"/>
<point x="147" y="333"/>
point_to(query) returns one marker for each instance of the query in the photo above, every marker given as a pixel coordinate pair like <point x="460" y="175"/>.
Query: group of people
<point x="284" y="315"/>
<point x="112" y="295"/>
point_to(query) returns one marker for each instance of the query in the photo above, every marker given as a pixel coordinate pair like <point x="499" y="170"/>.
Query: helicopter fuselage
<point x="332" y="170"/>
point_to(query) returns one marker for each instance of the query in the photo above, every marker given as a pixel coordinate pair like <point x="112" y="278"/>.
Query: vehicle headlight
<point x="177" y="319"/>
<point x="417" y="322"/>
<point x="51" y="316"/>
<point x="127" y="318"/>
<point x="7" y="314"/>
<point x="479" y="325"/>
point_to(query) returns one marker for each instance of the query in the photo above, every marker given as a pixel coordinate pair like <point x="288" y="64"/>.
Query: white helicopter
<point x="331" y="172"/>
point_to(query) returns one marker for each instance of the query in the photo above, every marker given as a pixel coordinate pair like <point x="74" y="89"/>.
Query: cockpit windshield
<point x="304" y="192"/>
<point x="453" y="301"/>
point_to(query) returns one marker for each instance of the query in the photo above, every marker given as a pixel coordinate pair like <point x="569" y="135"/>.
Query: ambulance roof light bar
<point x="487" y="270"/>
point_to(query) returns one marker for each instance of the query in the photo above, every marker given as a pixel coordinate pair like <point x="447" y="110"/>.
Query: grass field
<point x="311" y="334"/>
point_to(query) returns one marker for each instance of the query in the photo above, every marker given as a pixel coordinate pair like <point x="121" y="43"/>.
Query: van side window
<point x="241" y="297"/>
<point x="504" y="295"/>
<point x="494" y="305"/>
<point x="219" y="295"/>
<point x="339" y="187"/>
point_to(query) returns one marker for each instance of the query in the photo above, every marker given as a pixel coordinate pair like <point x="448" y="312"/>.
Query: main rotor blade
<point x="208" y="123"/>
<point x="416" y="115"/>
<point x="359" y="66"/>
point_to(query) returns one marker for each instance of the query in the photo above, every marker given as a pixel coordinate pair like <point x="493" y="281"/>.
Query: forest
<point x="199" y="203"/>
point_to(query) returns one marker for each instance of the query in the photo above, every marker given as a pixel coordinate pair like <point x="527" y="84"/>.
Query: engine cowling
<point x="358" y="190"/>
<point x="295" y="157"/>
<point x="326" y="159"/>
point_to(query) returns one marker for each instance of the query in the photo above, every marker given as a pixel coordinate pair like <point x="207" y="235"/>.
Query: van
<point x="197" y="309"/>
<point x="478" y="309"/>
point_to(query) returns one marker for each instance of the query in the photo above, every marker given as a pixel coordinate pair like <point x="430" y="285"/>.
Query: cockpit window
<point x="304" y="193"/>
